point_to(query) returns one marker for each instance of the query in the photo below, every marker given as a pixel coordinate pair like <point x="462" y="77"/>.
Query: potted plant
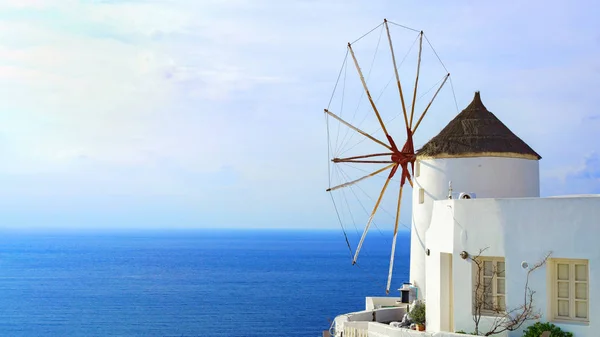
<point x="417" y="315"/>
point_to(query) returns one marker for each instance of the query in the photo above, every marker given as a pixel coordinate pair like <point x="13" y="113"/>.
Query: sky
<point x="206" y="113"/>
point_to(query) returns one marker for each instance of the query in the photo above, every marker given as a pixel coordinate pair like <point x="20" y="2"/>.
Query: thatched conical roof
<point x="476" y="132"/>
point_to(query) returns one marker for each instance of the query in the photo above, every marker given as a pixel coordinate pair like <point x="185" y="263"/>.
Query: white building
<point x="504" y="217"/>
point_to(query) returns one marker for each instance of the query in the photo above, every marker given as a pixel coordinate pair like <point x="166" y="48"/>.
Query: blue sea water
<point x="188" y="283"/>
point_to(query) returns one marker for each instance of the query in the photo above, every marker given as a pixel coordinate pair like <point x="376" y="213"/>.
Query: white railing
<point x="375" y="329"/>
<point x="356" y="329"/>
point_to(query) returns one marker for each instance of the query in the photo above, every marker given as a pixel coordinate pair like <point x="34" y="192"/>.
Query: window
<point x="417" y="168"/>
<point x="489" y="285"/>
<point x="570" y="290"/>
<point x="421" y="195"/>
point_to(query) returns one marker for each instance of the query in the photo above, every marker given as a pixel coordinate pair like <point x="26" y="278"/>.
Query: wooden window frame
<point x="572" y="298"/>
<point x="494" y="281"/>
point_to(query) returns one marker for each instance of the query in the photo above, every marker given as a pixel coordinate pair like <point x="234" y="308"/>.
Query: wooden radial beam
<point x="396" y="73"/>
<point x="360" y="179"/>
<point x="358" y="130"/>
<point x="389" y="281"/>
<point x="412" y="109"/>
<point x="364" y="83"/>
<point x="363" y="161"/>
<point x="362" y="238"/>
<point x="362" y="156"/>
<point x="428" y="105"/>
<point x="355" y="159"/>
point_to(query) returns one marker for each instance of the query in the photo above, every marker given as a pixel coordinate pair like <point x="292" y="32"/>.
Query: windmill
<point x="395" y="159"/>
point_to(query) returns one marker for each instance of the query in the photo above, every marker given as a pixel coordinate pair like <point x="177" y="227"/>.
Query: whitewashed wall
<point x="439" y="240"/>
<point x="487" y="177"/>
<point x="520" y="230"/>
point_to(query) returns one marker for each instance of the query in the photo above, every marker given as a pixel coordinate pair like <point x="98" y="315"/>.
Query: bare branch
<point x="505" y="319"/>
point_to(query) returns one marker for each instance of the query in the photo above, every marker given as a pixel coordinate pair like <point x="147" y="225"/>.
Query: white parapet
<point x="372" y="303"/>
<point x="374" y="329"/>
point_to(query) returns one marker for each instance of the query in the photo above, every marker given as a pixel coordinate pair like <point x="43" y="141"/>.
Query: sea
<point x="189" y="283"/>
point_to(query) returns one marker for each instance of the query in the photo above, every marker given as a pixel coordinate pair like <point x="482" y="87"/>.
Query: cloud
<point x="583" y="178"/>
<point x="590" y="170"/>
<point x="213" y="109"/>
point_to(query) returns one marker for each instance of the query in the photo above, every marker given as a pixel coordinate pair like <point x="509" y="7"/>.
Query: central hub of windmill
<point x="403" y="157"/>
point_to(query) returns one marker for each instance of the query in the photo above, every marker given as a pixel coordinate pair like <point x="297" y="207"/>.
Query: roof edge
<point x="513" y="155"/>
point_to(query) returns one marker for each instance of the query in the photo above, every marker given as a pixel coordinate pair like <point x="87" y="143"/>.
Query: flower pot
<point x="420" y="327"/>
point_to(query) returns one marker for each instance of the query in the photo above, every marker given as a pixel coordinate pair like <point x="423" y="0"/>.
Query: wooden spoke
<point x="357" y="129"/>
<point x="396" y="73"/>
<point x="363" y="156"/>
<point x="428" y="105"/>
<point x="409" y="181"/>
<point x="412" y="109"/>
<point x="389" y="281"/>
<point x="359" y="179"/>
<point x="362" y="238"/>
<point x="363" y="161"/>
<point x="362" y="79"/>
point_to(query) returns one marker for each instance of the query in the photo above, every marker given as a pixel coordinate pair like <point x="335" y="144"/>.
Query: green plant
<point x="417" y="314"/>
<point x="538" y="328"/>
<point x="466" y="333"/>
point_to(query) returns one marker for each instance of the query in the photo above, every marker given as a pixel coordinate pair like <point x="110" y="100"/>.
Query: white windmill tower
<point x="481" y="158"/>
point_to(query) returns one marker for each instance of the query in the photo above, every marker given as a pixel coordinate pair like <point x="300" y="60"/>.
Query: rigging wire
<point x="367" y="33"/>
<point x="329" y="175"/>
<point x="419" y="98"/>
<point x="442" y="63"/>
<point x="374" y="224"/>
<point x="435" y="52"/>
<point x="363" y="207"/>
<point x="377" y="176"/>
<point x="329" y="150"/>
<point x="365" y="253"/>
<point x="378" y="97"/>
<point x="367" y="80"/>
<point x="342" y="103"/>
<point x="370" y="197"/>
<point x="405" y="27"/>
<point x="339" y="172"/>
<point x="338" y="78"/>
<point x="350" y="211"/>
<point x="342" y="225"/>
<point x="340" y="219"/>
<point x="393" y="118"/>
<point x="454" y="95"/>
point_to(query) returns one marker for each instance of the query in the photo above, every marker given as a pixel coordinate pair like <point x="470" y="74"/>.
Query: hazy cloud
<point x="210" y="112"/>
